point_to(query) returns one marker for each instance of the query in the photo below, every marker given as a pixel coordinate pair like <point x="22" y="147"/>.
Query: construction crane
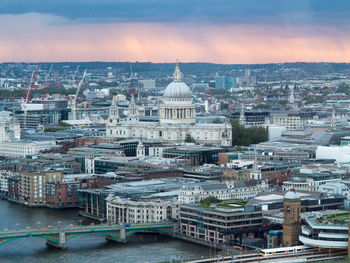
<point x="131" y="73"/>
<point x="48" y="75"/>
<point x="74" y="102"/>
<point x="73" y="76"/>
<point x="28" y="93"/>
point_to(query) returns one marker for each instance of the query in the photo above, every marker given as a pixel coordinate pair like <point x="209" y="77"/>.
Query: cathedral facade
<point x="177" y="120"/>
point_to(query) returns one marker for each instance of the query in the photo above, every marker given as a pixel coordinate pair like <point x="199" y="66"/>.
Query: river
<point x="86" y="248"/>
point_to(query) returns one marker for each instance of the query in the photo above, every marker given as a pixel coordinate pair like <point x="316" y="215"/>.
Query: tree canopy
<point x="217" y="120"/>
<point x="189" y="138"/>
<point x="262" y="106"/>
<point x="245" y="136"/>
<point x="209" y="200"/>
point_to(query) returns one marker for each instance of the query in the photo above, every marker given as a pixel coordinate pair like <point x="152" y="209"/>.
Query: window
<point x="288" y="210"/>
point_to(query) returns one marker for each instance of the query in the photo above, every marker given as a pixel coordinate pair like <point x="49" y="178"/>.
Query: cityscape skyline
<point x="174" y="131"/>
<point x="239" y="33"/>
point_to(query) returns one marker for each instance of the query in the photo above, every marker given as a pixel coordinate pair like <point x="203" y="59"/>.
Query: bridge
<point x="58" y="236"/>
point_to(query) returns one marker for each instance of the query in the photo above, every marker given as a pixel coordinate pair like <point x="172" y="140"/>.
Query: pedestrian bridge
<point x="58" y="236"/>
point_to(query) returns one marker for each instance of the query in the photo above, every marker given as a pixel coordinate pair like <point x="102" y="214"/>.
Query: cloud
<point x="39" y="37"/>
<point x="336" y="12"/>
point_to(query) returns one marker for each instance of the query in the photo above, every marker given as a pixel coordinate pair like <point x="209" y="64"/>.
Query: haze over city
<point x="162" y="31"/>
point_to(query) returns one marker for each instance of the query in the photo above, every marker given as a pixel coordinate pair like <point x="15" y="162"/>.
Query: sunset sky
<point x="219" y="31"/>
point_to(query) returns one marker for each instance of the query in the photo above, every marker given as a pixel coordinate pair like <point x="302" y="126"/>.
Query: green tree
<point x="189" y="139"/>
<point x="63" y="124"/>
<point x="245" y="136"/>
<point x="217" y="120"/>
<point x="237" y="132"/>
<point x="283" y="102"/>
<point x="343" y="88"/>
<point x="262" y="106"/>
<point x="53" y="129"/>
<point x="209" y="200"/>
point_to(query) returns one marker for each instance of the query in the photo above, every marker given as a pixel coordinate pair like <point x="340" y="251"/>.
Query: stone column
<point x="122" y="234"/>
<point x="61" y="242"/>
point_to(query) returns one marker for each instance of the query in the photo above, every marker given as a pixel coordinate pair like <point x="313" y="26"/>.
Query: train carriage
<point x="285" y="250"/>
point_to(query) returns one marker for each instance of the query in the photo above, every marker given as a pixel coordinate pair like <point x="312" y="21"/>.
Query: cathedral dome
<point x="177" y="88"/>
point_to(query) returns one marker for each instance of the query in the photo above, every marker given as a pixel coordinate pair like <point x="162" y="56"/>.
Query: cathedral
<point x="177" y="120"/>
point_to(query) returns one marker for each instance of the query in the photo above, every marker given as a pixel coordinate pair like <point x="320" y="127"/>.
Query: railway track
<point x="299" y="257"/>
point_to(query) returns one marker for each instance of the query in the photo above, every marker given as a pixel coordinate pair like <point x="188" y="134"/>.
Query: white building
<point x="309" y="182"/>
<point x="4" y="176"/>
<point x="157" y="151"/>
<point x="23" y="148"/>
<point x="339" y="153"/>
<point x="90" y="163"/>
<point x="324" y="230"/>
<point x="292" y="122"/>
<point x="125" y="210"/>
<point x="148" y="83"/>
<point x="119" y="97"/>
<point x="177" y="120"/>
<point x="9" y="127"/>
<point x="335" y="188"/>
<point x="193" y="193"/>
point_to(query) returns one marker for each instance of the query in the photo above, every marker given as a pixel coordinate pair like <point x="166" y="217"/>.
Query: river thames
<point x="86" y="248"/>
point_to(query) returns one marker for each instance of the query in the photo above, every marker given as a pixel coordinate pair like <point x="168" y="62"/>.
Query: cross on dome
<point x="177" y="73"/>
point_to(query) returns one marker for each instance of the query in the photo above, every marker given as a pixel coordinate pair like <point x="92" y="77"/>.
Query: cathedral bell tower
<point x="140" y="151"/>
<point x="113" y="118"/>
<point x="133" y="111"/>
<point x="291" y="218"/>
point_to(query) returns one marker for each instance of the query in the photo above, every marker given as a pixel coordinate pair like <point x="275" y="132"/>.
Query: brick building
<point x="33" y="186"/>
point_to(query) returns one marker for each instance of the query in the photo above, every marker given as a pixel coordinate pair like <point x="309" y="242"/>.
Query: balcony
<point x="316" y="225"/>
<point x="323" y="243"/>
<point x="333" y="235"/>
<point x="305" y="230"/>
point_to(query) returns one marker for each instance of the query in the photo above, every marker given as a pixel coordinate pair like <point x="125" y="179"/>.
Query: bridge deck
<point x="80" y="229"/>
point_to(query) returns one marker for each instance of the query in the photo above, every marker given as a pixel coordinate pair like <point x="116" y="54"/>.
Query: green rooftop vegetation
<point x="337" y="219"/>
<point x="213" y="202"/>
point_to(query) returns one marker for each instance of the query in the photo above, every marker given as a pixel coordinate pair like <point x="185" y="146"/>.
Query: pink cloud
<point x="34" y="37"/>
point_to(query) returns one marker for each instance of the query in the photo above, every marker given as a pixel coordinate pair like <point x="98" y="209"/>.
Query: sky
<point x="217" y="31"/>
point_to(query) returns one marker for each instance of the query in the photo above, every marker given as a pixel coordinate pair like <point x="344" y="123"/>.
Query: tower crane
<point x="28" y="93"/>
<point x="48" y="75"/>
<point x="74" y="102"/>
<point x="131" y="73"/>
<point x="73" y="76"/>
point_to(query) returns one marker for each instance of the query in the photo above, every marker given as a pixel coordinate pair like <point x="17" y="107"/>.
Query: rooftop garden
<point x="213" y="202"/>
<point x="336" y="219"/>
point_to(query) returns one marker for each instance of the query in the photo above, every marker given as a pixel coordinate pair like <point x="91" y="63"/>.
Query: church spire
<point x="177" y="73"/>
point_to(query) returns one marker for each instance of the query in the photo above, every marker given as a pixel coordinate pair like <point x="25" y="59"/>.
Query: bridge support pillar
<point x="174" y="231"/>
<point x="122" y="236"/>
<point x="61" y="244"/>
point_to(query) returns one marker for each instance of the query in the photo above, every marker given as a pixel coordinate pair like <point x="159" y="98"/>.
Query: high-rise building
<point x="247" y="80"/>
<point x="225" y="82"/>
